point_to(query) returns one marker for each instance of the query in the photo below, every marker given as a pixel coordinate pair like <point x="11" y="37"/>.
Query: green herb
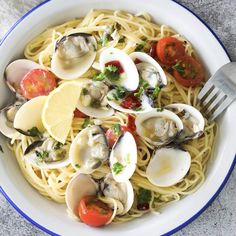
<point x="179" y="68"/>
<point x="127" y="159"/>
<point x="86" y="122"/>
<point x="160" y="109"/>
<point x="121" y="40"/>
<point x="104" y="40"/>
<point x="115" y="96"/>
<point x="112" y="73"/>
<point x="58" y="146"/>
<point x="94" y="48"/>
<point x="77" y="165"/>
<point x="99" y="77"/>
<point x="85" y="91"/>
<point x="119" y="93"/>
<point x="1" y="150"/>
<point x="143" y="85"/>
<point x="42" y="155"/>
<point x="137" y="109"/>
<point x="144" y="196"/>
<point x="141" y="46"/>
<point x="117" y="168"/>
<point x="156" y="91"/>
<point x="34" y="132"/>
<point x="117" y="129"/>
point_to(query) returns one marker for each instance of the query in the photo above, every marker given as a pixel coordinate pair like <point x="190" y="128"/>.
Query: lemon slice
<point x="58" y="110"/>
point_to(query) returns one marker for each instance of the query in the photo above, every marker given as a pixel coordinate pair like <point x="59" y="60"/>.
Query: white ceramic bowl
<point x="52" y="217"/>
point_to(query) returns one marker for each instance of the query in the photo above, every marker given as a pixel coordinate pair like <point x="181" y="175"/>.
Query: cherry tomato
<point x="36" y="83"/>
<point x="131" y="102"/>
<point x="112" y="136"/>
<point x="131" y="123"/>
<point x="188" y="72"/>
<point x="79" y="114"/>
<point x="137" y="61"/>
<point x="93" y="211"/>
<point x="116" y="64"/>
<point x="169" y="50"/>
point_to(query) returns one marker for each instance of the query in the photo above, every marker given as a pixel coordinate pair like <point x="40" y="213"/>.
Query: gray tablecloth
<point x="220" y="218"/>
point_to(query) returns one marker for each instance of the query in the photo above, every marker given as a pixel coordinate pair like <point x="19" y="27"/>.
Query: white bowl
<point x="52" y="217"/>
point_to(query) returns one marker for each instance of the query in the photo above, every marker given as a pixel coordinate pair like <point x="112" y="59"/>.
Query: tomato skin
<point x="193" y="72"/>
<point x="37" y="82"/>
<point x="169" y="50"/>
<point x="112" y="136"/>
<point x="116" y="64"/>
<point x="153" y="51"/>
<point x="93" y="211"/>
<point x="79" y="114"/>
<point x="131" y="102"/>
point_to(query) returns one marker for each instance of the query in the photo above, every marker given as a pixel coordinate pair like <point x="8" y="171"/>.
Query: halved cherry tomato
<point x="79" y="114"/>
<point x="188" y="72"/>
<point x="131" y="102"/>
<point x="36" y="83"/>
<point x="153" y="51"/>
<point x="169" y="50"/>
<point x="93" y="211"/>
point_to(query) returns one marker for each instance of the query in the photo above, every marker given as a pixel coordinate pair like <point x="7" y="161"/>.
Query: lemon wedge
<point x="58" y="110"/>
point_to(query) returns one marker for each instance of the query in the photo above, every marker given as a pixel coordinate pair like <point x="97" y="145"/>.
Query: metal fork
<point x="219" y="91"/>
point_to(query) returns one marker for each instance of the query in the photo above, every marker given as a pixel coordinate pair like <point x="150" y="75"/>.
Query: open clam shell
<point x="158" y="127"/>
<point x="89" y="150"/>
<point x="129" y="78"/>
<point x="168" y="166"/>
<point x="193" y="121"/>
<point x="80" y="185"/>
<point x="74" y="54"/>
<point x="122" y="159"/>
<point x="149" y="69"/>
<point x="121" y="191"/>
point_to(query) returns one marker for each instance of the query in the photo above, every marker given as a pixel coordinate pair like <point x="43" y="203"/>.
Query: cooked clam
<point x="168" y="166"/>
<point x="16" y="71"/>
<point x="158" y="127"/>
<point x="121" y="191"/>
<point x="128" y="74"/>
<point x="79" y="186"/>
<point x="89" y="150"/>
<point x="47" y="154"/>
<point x="93" y="101"/>
<point x="149" y="70"/>
<point x="74" y="54"/>
<point x="7" y="116"/>
<point x="192" y="119"/>
<point x="122" y="159"/>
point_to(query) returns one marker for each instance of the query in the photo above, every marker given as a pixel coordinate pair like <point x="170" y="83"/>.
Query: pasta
<point x="132" y="30"/>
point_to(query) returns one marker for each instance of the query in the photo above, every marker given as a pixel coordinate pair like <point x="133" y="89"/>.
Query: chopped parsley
<point x="42" y="155"/>
<point x="180" y="69"/>
<point x="86" y="122"/>
<point x="117" y="129"/>
<point x="77" y="165"/>
<point x="34" y="132"/>
<point x="137" y="108"/>
<point x="143" y="85"/>
<point x="112" y="73"/>
<point x="144" y="196"/>
<point x="160" y="109"/>
<point x="1" y="150"/>
<point x="58" y="146"/>
<point x="118" y="93"/>
<point x="156" y="91"/>
<point x="104" y="40"/>
<point x="140" y="46"/>
<point x="117" y="168"/>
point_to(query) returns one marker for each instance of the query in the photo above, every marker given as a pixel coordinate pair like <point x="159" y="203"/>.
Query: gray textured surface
<point x="220" y="218"/>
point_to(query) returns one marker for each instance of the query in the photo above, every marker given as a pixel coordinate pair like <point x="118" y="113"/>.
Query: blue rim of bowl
<point x="190" y="219"/>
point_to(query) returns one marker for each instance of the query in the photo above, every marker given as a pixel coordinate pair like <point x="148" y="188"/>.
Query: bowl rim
<point x="195" y="216"/>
